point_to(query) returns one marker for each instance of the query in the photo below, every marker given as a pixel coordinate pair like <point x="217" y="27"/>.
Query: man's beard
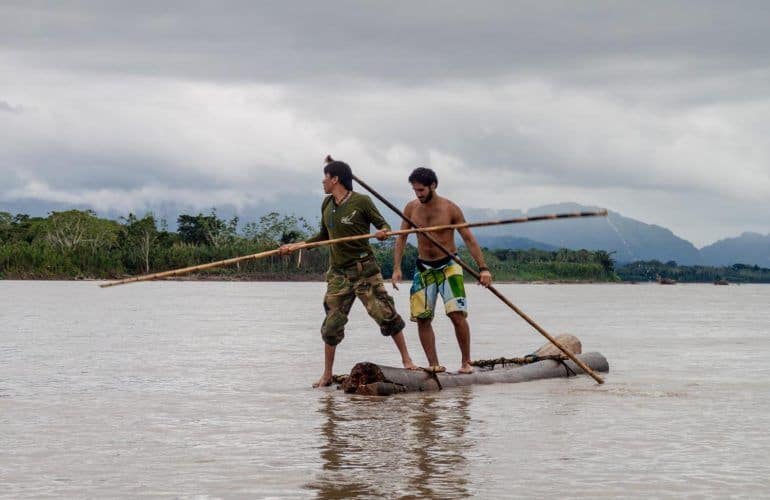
<point x="427" y="198"/>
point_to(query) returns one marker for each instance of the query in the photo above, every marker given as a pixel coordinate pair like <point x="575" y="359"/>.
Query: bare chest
<point x="424" y="217"/>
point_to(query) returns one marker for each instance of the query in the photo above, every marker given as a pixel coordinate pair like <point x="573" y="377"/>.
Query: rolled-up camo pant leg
<point x="337" y="303"/>
<point x="379" y="304"/>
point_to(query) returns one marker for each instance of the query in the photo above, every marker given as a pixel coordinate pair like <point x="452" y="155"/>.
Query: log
<point x="378" y="380"/>
<point x="569" y="341"/>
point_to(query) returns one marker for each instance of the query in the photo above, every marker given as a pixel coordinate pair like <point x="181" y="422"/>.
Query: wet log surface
<point x="373" y="379"/>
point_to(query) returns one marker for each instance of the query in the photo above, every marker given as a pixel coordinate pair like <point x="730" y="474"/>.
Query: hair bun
<point x="329" y="159"/>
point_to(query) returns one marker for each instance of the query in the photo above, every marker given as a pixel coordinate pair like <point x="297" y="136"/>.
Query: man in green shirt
<point x="353" y="271"/>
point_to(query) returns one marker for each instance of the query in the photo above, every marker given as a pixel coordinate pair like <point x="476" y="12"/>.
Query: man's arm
<point x="473" y="246"/>
<point x="398" y="249"/>
<point x="322" y="235"/>
<point x="377" y="220"/>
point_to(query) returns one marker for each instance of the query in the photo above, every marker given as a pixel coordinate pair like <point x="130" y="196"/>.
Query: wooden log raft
<point x="377" y="380"/>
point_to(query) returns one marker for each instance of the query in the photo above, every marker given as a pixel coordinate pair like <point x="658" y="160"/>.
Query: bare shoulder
<point x="454" y="210"/>
<point x="409" y="208"/>
<point x="451" y="205"/>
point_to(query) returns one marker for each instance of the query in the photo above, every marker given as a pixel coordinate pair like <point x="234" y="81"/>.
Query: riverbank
<point x="320" y="277"/>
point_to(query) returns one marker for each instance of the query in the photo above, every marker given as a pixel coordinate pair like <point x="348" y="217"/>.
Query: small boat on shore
<point x="379" y="380"/>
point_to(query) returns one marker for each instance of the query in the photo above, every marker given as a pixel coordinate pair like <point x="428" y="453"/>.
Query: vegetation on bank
<point x="77" y="244"/>
<point x="654" y="270"/>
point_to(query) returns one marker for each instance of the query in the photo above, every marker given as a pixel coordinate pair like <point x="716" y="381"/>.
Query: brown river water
<point x="202" y="390"/>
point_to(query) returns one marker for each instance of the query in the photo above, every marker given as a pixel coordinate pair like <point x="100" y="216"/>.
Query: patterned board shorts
<point x="365" y="282"/>
<point x="446" y="280"/>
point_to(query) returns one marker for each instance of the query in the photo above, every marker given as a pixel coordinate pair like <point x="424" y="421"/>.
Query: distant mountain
<point x="513" y="242"/>
<point x="630" y="239"/>
<point x="748" y="248"/>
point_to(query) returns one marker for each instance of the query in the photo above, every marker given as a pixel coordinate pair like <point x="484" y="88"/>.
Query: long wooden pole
<point x="491" y="288"/>
<point x="268" y="253"/>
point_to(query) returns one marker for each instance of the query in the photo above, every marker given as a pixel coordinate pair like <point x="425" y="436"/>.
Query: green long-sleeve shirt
<point x="353" y="217"/>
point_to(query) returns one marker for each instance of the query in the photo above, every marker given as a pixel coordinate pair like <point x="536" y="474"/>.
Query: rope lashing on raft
<point x="434" y="375"/>
<point x="567" y="368"/>
<point x="525" y="360"/>
<point x="528" y="359"/>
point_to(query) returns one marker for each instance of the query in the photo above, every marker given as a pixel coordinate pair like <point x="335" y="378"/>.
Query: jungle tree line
<point x="653" y="270"/>
<point x="78" y="244"/>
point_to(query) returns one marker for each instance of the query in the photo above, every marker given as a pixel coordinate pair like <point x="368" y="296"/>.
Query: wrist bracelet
<point x="483" y="268"/>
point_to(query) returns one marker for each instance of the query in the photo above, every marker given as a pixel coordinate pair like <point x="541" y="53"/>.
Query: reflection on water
<point x="412" y="446"/>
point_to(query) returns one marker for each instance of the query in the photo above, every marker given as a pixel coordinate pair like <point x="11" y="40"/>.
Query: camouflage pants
<point x="365" y="282"/>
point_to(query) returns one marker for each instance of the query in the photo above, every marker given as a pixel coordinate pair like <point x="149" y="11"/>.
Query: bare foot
<point x="323" y="382"/>
<point x="466" y="368"/>
<point x="409" y="365"/>
<point x="435" y="369"/>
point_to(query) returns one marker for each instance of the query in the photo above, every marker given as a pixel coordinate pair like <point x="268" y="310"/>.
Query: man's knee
<point x="333" y="328"/>
<point x="424" y="322"/>
<point x="458" y="317"/>
<point x="391" y="326"/>
<point x="382" y="309"/>
<point x="332" y="338"/>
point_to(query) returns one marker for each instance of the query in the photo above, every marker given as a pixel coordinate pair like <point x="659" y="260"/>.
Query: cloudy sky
<point x="658" y="110"/>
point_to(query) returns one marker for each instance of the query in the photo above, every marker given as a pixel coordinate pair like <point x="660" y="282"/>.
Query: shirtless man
<point x="437" y="273"/>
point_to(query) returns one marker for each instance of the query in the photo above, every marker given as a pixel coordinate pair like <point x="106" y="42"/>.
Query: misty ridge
<point x="627" y="239"/>
<point x="630" y="240"/>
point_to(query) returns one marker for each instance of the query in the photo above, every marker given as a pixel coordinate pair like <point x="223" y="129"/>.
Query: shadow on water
<point x="412" y="446"/>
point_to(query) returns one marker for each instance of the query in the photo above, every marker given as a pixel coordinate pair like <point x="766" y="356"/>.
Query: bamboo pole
<point x="268" y="253"/>
<point x="491" y="288"/>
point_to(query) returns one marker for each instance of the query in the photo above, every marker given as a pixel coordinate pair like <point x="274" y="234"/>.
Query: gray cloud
<point x="656" y="110"/>
<point x="8" y="108"/>
<point x="405" y="41"/>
